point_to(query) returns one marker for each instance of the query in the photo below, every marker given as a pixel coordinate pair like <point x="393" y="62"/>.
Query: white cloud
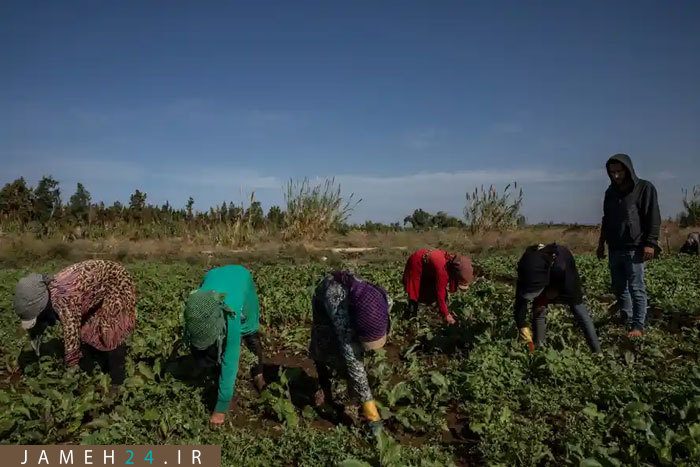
<point x="472" y="178"/>
<point x="567" y="196"/>
<point x="421" y="139"/>
<point x="665" y="175"/>
<point x="218" y="177"/>
<point x="392" y="197"/>
<point x="34" y="165"/>
<point x="508" y="128"/>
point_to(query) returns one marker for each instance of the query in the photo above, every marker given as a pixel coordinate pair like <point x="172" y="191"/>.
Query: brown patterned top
<point x="96" y="303"/>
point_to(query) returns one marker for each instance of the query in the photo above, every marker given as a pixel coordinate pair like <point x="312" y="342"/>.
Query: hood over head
<point x="626" y="161"/>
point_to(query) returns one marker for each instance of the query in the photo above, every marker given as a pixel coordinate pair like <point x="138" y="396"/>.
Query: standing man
<point x="630" y="227"/>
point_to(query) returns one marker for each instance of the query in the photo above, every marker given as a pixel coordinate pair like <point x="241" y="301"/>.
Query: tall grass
<point x="314" y="211"/>
<point x="233" y="233"/>
<point x="489" y="209"/>
<point x="691" y="204"/>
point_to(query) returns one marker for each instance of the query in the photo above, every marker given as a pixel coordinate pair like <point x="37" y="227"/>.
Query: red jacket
<point x="425" y="278"/>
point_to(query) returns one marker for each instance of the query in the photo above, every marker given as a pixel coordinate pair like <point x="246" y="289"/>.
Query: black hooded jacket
<point x="631" y="218"/>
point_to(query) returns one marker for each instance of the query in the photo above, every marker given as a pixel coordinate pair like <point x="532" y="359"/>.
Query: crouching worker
<point x="95" y="302"/>
<point x="350" y="316"/>
<point x="430" y="274"/>
<point x="548" y="275"/>
<point x="692" y="244"/>
<point x="223" y="311"/>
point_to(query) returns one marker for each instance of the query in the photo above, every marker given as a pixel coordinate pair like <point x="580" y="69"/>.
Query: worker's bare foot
<point x="319" y="399"/>
<point x="635" y="333"/>
<point x="259" y="382"/>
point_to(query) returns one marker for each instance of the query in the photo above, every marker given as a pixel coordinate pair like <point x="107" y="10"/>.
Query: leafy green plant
<point x="637" y="404"/>
<point x="276" y="399"/>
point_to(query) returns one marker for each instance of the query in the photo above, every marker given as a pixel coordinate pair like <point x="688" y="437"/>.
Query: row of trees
<point x="41" y="209"/>
<point x="309" y="212"/>
<point x="422" y="220"/>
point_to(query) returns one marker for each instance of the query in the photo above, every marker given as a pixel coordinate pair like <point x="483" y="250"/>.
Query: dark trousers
<point x="325" y="379"/>
<point x="252" y="342"/>
<point x="112" y="361"/>
<point x="207" y="358"/>
<point x="583" y="319"/>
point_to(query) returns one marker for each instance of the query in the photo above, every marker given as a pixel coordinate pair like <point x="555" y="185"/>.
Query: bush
<point x="691" y="204"/>
<point x="312" y="212"/>
<point x="491" y="210"/>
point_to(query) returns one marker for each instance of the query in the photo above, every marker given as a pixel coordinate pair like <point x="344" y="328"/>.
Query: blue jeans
<point x="583" y="319"/>
<point x="627" y="274"/>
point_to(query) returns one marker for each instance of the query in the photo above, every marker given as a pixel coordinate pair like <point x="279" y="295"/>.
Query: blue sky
<point x="408" y="104"/>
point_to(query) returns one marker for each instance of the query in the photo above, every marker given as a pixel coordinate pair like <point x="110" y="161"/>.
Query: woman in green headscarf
<point x="223" y="311"/>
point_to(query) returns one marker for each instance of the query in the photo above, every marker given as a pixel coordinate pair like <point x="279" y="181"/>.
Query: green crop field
<point x="464" y="395"/>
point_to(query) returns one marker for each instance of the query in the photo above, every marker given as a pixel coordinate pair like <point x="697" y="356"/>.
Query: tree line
<point x="308" y="212"/>
<point x="42" y="210"/>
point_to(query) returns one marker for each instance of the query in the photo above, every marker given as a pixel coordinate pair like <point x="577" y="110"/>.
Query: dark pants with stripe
<point x="252" y="341"/>
<point x="112" y="361"/>
<point x="207" y="358"/>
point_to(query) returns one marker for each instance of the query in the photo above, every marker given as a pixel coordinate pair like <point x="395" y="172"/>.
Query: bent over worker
<point x="692" y="244"/>
<point x="547" y="274"/>
<point x="224" y="310"/>
<point x="350" y="316"/>
<point x="429" y="276"/>
<point x="95" y="302"/>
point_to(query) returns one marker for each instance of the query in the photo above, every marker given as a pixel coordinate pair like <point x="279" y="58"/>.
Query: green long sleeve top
<point x="241" y="297"/>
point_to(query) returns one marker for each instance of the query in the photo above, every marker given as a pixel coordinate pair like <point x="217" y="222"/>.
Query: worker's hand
<point x="113" y="391"/>
<point x="36" y="344"/>
<point x="375" y="427"/>
<point x="319" y="398"/>
<point x="648" y="253"/>
<point x="449" y="319"/>
<point x="217" y="419"/>
<point x="369" y="411"/>
<point x="259" y="382"/>
<point x="525" y="334"/>
<point x="600" y="252"/>
<point x="526" y="337"/>
<point x="72" y="369"/>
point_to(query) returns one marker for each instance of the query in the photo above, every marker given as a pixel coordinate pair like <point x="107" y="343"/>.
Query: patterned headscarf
<point x="205" y="322"/>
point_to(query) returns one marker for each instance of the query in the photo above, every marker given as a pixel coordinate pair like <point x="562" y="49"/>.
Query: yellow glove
<point x="369" y="411"/>
<point x="526" y="335"/>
